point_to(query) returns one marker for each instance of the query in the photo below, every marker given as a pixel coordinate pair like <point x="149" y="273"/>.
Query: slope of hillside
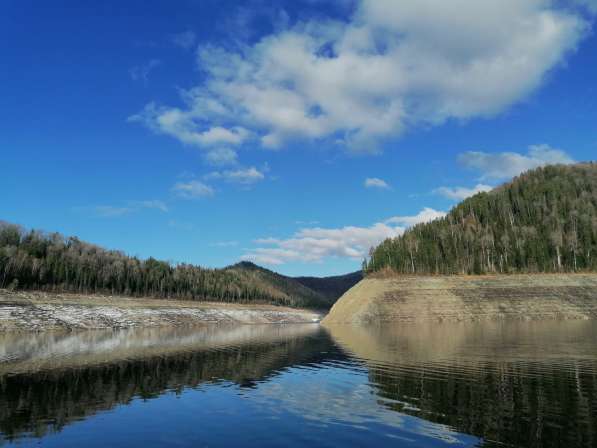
<point x="458" y="298"/>
<point x="545" y="220"/>
<point x="321" y="291"/>
<point x="540" y="229"/>
<point x="282" y="285"/>
<point x="331" y="287"/>
<point x="33" y="260"/>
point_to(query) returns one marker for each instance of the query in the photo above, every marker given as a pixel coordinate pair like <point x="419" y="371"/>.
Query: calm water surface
<point x="515" y="384"/>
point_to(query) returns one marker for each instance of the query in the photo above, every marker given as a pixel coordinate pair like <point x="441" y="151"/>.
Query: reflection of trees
<point x="513" y="384"/>
<point x="48" y="400"/>
<point x="520" y="404"/>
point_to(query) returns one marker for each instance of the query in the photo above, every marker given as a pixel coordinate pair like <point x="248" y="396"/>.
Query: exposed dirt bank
<point x="468" y="298"/>
<point x="38" y="311"/>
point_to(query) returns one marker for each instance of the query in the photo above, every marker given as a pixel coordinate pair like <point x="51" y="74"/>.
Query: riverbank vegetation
<point x="36" y="260"/>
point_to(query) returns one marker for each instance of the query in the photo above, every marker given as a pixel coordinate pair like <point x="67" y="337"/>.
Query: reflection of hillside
<point x="48" y="394"/>
<point x="43" y="351"/>
<point x="510" y="383"/>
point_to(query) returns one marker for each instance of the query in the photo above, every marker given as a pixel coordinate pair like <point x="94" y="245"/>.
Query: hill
<point x="457" y="298"/>
<point x="545" y="220"/>
<point x="331" y="287"/>
<point x="321" y="290"/>
<point x="34" y="260"/>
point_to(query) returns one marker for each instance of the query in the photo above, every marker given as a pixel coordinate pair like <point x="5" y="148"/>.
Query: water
<point x="507" y="384"/>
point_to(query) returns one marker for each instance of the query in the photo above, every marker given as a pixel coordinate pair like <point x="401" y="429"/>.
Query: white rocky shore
<point x="39" y="311"/>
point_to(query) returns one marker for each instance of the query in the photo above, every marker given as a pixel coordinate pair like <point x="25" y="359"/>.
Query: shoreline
<point x="35" y="311"/>
<point x="408" y="298"/>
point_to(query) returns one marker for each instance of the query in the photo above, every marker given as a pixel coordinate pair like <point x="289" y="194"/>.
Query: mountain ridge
<point x="35" y="260"/>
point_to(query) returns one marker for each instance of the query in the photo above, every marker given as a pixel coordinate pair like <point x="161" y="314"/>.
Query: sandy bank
<point x="468" y="298"/>
<point x="37" y="311"/>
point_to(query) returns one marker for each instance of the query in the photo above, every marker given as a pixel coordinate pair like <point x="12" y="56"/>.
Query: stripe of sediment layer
<point x="468" y="298"/>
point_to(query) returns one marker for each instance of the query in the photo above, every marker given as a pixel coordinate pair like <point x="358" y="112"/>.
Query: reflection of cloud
<point x="343" y="395"/>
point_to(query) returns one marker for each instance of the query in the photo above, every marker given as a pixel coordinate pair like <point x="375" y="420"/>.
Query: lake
<point x="492" y="384"/>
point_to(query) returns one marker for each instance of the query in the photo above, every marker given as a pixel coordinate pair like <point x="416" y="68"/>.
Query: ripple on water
<point x="493" y="384"/>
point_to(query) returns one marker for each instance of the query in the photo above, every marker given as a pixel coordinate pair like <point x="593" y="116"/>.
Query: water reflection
<point x="48" y="380"/>
<point x="516" y="384"/>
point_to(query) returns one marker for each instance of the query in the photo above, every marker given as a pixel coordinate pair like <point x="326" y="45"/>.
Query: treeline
<point x="52" y="262"/>
<point x="543" y="221"/>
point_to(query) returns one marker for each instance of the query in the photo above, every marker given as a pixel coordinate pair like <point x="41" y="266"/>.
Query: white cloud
<point x="391" y="66"/>
<point x="141" y="72"/>
<point x="375" y="182"/>
<point x="425" y="215"/>
<point x="181" y="125"/>
<point x="506" y="165"/>
<point x="460" y="193"/>
<point x="245" y="176"/>
<point x="192" y="190"/>
<point x="221" y="156"/>
<point x="185" y="40"/>
<point x="317" y="243"/>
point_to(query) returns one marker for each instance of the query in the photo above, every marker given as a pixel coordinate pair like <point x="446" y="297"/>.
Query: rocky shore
<point x="39" y="311"/>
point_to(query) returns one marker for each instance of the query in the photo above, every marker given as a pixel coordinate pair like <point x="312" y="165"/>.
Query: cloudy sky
<point x="295" y="134"/>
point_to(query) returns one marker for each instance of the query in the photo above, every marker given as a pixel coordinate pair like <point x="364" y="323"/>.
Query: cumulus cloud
<point x="221" y="156"/>
<point x="184" y="40"/>
<point x="192" y="190"/>
<point x="425" y="215"/>
<point x="317" y="243"/>
<point x="141" y="72"/>
<point x="390" y="66"/>
<point x="245" y="176"/>
<point x="505" y="165"/>
<point x="460" y="193"/>
<point x="375" y="182"/>
<point x="180" y="124"/>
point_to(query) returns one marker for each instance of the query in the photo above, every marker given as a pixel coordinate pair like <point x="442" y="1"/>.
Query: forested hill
<point x="52" y="262"/>
<point x="545" y="220"/>
<point x="322" y="290"/>
<point x="332" y="287"/>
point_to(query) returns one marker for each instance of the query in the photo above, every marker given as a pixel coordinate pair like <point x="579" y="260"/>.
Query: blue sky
<point x="294" y="134"/>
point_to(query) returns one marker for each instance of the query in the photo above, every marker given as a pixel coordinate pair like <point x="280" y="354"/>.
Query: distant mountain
<point x="321" y="291"/>
<point x="544" y="220"/>
<point x="331" y="287"/>
<point x="52" y="262"/>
